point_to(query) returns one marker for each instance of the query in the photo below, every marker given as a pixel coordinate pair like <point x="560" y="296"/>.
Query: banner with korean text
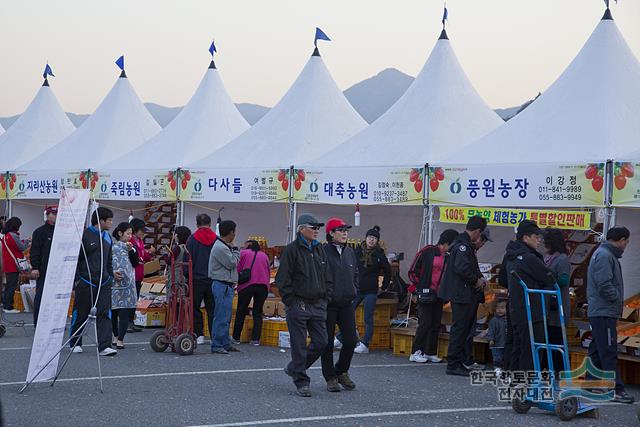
<point x="366" y="186"/>
<point x="567" y="220"/>
<point x="141" y="185"/>
<point x="41" y="184"/>
<point x="626" y="184"/>
<point x="525" y="185"/>
<point x="234" y="185"/>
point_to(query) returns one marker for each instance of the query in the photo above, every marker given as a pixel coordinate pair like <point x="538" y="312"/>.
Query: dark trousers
<point x="10" y="289"/>
<point x="603" y="349"/>
<point x="38" y="298"/>
<point x="508" y="344"/>
<point x="345" y="318"/>
<point x="303" y="318"/>
<point x="81" y="308"/>
<point x="132" y="315"/>
<point x="464" y="319"/>
<point x="259" y="295"/>
<point x="202" y="292"/>
<point x="555" y="337"/>
<point x="468" y="345"/>
<point x="120" y="321"/>
<point x="522" y="357"/>
<point x="429" y="317"/>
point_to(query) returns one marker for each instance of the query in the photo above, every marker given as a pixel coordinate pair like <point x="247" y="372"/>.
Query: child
<point x="497" y="333"/>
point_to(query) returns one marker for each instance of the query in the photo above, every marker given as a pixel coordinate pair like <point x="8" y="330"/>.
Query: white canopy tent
<point x="589" y="114"/>
<point x="206" y="123"/>
<point x="1" y="130"/>
<point x="42" y="125"/>
<point x="439" y="113"/>
<point x="311" y="118"/>
<point x="119" y="124"/>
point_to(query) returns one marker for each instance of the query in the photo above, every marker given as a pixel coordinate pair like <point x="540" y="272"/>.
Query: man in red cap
<point x="340" y="310"/>
<point x="40" y="249"/>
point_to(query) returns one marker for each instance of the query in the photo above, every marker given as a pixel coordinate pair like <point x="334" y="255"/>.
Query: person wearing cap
<point x="462" y="282"/>
<point x="523" y="258"/>
<point x="306" y="287"/>
<point x="40" y="250"/>
<point x="371" y="261"/>
<point x="340" y="311"/>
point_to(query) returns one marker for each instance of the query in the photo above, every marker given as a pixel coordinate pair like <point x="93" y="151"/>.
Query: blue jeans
<point x="497" y="354"/>
<point x="223" y="297"/>
<point x="369" y="310"/>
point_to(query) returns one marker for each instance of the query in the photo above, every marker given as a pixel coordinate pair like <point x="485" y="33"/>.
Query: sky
<point x="510" y="49"/>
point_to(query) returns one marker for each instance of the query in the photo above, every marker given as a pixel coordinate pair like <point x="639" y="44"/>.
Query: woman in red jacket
<point x="144" y="255"/>
<point x="13" y="248"/>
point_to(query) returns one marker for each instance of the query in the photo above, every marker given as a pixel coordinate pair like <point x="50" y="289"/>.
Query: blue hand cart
<point x="547" y="394"/>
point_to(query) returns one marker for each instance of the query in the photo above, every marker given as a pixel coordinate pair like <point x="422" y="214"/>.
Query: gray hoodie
<point x="605" y="290"/>
<point x="223" y="262"/>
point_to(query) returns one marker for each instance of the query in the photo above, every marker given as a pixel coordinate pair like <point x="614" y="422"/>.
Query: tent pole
<point x="425" y="230"/>
<point x="293" y="209"/>
<point x="609" y="211"/>
<point x="9" y="208"/>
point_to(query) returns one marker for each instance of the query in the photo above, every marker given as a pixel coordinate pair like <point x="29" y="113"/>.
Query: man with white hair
<point x="306" y="286"/>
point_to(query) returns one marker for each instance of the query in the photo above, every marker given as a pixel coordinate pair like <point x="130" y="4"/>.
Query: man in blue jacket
<point x="605" y="295"/>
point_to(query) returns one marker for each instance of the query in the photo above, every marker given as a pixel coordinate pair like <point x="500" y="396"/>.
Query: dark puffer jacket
<point x="344" y="273"/>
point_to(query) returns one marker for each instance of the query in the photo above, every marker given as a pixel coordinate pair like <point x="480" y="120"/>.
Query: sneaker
<point x="200" y="340"/>
<point x="234" y="341"/>
<point x="220" y="351"/>
<point x="77" y="349"/>
<point x="108" y="352"/>
<point x="304" y="391"/>
<point x="255" y="343"/>
<point x="337" y="344"/>
<point x="346" y="382"/>
<point x="418" y="357"/>
<point x="11" y="311"/>
<point x="233" y="349"/>
<point x="458" y="371"/>
<point x="474" y="366"/>
<point x="332" y="385"/>
<point x="433" y="358"/>
<point x="498" y="372"/>
<point x="623" y="397"/>
<point x="361" y="349"/>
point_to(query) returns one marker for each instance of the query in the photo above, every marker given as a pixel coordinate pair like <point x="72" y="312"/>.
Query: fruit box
<point x="632" y="345"/>
<point x="631" y="309"/>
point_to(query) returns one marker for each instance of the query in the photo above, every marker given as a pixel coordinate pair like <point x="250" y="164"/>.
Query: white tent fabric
<point x="590" y="113"/>
<point x="42" y="125"/>
<point x="311" y="118"/>
<point x="119" y="124"/>
<point x="1" y="130"/>
<point x="206" y="123"/>
<point x="439" y="113"/>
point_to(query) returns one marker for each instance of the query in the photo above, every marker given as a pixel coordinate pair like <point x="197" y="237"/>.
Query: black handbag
<point x="427" y="296"/>
<point x="245" y="275"/>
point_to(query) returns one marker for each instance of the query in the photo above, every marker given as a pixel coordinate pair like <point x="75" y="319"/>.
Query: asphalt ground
<point x="142" y="387"/>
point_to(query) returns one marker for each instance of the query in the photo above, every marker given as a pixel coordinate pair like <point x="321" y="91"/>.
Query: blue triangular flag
<point x="445" y="15"/>
<point x="47" y="71"/>
<point x="212" y="48"/>
<point x="320" y="35"/>
<point x="120" y="62"/>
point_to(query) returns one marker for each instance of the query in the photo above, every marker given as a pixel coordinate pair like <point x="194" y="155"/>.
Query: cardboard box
<point x="632" y="345"/>
<point x="270" y="308"/>
<point x="281" y="310"/>
<point x="631" y="309"/>
<point x="284" y="340"/>
<point x="150" y="317"/>
<point x="151" y="267"/>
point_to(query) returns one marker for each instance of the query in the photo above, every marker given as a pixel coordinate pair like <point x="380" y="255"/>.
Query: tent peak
<point x="607" y="15"/>
<point x="316" y="52"/>
<point x="45" y="83"/>
<point x="212" y="66"/>
<point x="443" y="35"/>
<point x="123" y="75"/>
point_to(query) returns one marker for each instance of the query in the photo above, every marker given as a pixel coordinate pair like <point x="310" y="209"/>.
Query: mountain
<point x="370" y="97"/>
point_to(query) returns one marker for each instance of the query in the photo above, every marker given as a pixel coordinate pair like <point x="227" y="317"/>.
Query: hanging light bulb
<point x="44" y="214"/>
<point x="356" y="216"/>
<point x="130" y="215"/>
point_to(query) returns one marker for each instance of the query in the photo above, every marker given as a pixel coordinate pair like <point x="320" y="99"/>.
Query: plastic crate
<point x="245" y="336"/>
<point x="381" y="315"/>
<point x="576" y="359"/>
<point x="573" y="336"/>
<point x="481" y="353"/>
<point x="381" y="336"/>
<point x="402" y="344"/>
<point x="271" y="332"/>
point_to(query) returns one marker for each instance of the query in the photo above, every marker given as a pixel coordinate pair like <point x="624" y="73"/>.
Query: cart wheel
<point x="567" y="408"/>
<point x="185" y="344"/>
<point x="159" y="341"/>
<point x="3" y="330"/>
<point x="520" y="406"/>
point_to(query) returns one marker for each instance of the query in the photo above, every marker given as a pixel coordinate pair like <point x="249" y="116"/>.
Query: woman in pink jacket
<point x="144" y="255"/>
<point x="257" y="288"/>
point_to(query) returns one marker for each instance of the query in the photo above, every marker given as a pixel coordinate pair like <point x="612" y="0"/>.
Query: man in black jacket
<point x="523" y="258"/>
<point x="305" y="285"/>
<point x="39" y="254"/>
<point x="94" y="275"/>
<point x="344" y="272"/>
<point x="462" y="284"/>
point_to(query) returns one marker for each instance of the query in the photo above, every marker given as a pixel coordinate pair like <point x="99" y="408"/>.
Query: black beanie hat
<point x="375" y="232"/>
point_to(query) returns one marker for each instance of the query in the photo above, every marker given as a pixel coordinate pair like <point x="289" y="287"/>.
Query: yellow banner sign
<point x="568" y="220"/>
